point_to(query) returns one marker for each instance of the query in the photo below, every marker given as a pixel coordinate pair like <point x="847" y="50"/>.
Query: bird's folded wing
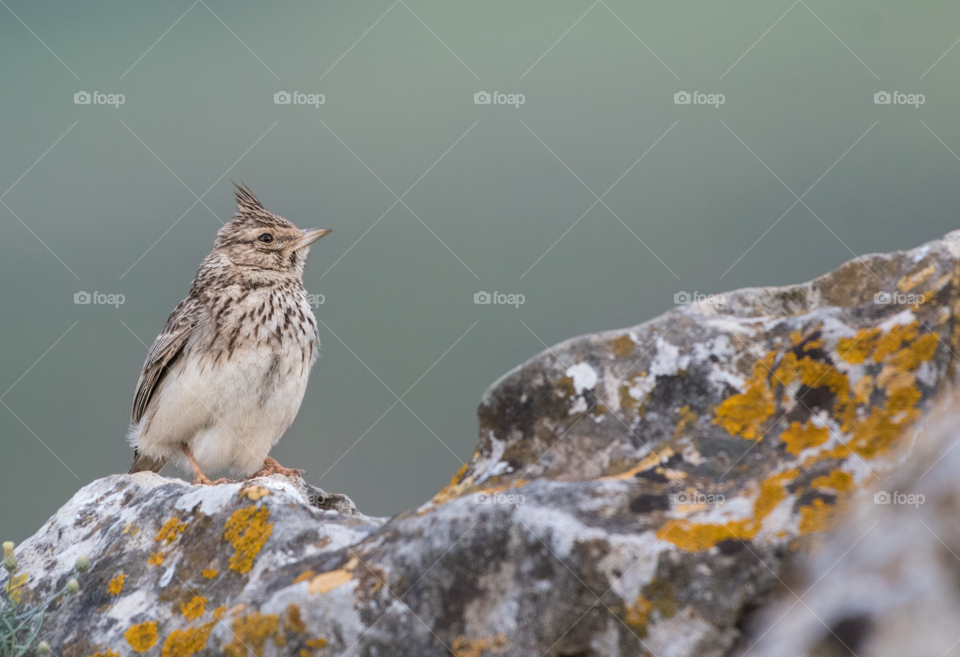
<point x="165" y="350"/>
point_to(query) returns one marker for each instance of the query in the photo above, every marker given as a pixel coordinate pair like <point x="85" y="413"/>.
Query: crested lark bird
<point x="225" y="378"/>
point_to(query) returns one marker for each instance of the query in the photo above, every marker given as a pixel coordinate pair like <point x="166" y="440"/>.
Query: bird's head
<point x="257" y="238"/>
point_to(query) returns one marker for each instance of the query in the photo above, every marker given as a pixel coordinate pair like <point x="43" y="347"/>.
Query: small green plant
<point x="20" y="624"/>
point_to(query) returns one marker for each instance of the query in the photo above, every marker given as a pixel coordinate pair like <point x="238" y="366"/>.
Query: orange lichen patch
<point x="650" y="460"/>
<point x="686" y="418"/>
<point x="786" y="371"/>
<point x="813" y="344"/>
<point x="254" y="492"/>
<point x="156" y="559"/>
<point x="815" y="518"/>
<point x="464" y="647"/>
<point x="317" y="643"/>
<point x="116" y="584"/>
<point x="838" y="480"/>
<point x="922" y="349"/>
<point x="856" y="349"/>
<point x="15" y="587"/>
<point x="194" y="608"/>
<point x="891" y="342"/>
<point x="304" y="576"/>
<point x="742" y="414"/>
<point x="142" y="637"/>
<point x="210" y="573"/>
<point x="800" y="437"/>
<point x="457" y="487"/>
<point x="131" y="530"/>
<point x="694" y="537"/>
<point x="622" y="346"/>
<point x="863" y="388"/>
<point x="251" y="631"/>
<point x="170" y="531"/>
<point x="106" y="653"/>
<point x="635" y="615"/>
<point x="304" y="653"/>
<point x="329" y="581"/>
<point x="911" y="281"/>
<point x="292" y="621"/>
<point x="247" y="530"/>
<point x="183" y="643"/>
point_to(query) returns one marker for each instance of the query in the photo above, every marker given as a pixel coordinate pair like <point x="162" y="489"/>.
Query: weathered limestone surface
<point x="633" y="492"/>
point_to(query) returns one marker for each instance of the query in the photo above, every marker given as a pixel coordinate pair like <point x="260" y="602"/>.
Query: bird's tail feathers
<point x="144" y="463"/>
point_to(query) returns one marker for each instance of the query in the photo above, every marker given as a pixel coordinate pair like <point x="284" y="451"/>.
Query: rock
<point x="886" y="584"/>
<point x="633" y="492"/>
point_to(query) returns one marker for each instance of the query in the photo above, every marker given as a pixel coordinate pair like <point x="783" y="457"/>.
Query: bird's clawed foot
<point x="200" y="479"/>
<point x="270" y="467"/>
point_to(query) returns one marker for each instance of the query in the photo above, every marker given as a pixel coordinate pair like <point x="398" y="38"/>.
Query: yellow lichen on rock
<point x="838" y="480"/>
<point x="209" y="573"/>
<point x="815" y="518"/>
<point x="317" y="643"/>
<point x="856" y="349"/>
<point x="328" y="581"/>
<point x="106" y="653"/>
<point x="744" y="413"/>
<point x="254" y="492"/>
<point x="142" y="637"/>
<point x="194" y="608"/>
<point x="183" y="643"/>
<point x="635" y="616"/>
<point x="247" y="530"/>
<point x="251" y="632"/>
<point x="304" y="576"/>
<point x="464" y="647"/>
<point x="170" y="531"/>
<point x="156" y="559"/>
<point x="116" y="584"/>
<point x="800" y="437"/>
<point x="292" y="621"/>
<point x="695" y="537"/>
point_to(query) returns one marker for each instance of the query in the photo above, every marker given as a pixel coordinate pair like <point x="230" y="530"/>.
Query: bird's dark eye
<point x="266" y="238"/>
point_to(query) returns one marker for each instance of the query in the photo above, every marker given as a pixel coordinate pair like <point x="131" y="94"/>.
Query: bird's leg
<point x="200" y="479"/>
<point x="270" y="466"/>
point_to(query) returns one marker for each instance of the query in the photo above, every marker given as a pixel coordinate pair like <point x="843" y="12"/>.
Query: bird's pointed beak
<point x="310" y="236"/>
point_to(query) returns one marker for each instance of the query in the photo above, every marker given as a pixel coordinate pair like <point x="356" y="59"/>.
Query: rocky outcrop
<point x="638" y="491"/>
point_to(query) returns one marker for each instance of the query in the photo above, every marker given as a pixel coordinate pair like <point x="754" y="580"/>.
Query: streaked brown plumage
<point x="225" y="377"/>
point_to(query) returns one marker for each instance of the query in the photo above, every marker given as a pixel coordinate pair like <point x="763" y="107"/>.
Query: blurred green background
<point x="98" y="198"/>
